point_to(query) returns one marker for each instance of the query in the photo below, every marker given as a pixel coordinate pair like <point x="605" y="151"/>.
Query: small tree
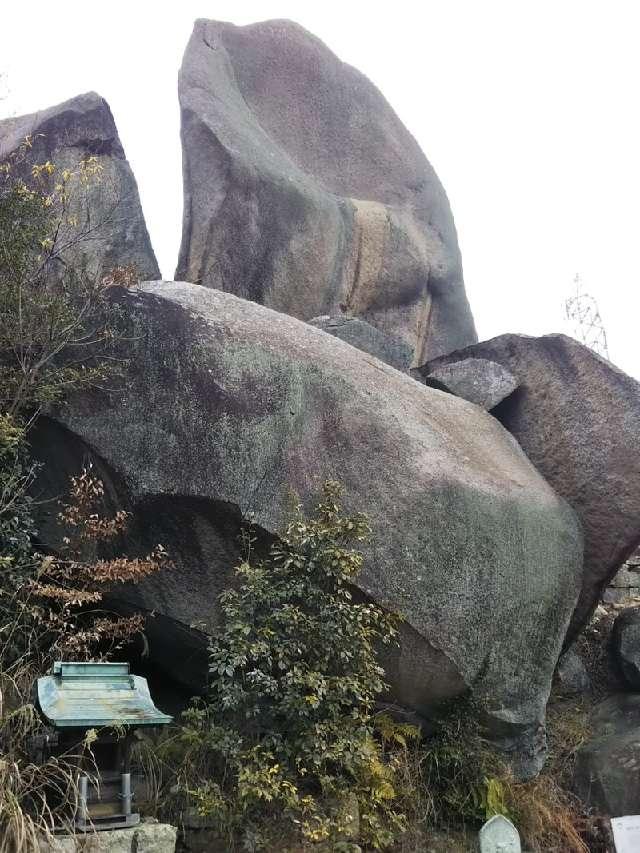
<point x="56" y="321"/>
<point x="288" y="727"/>
<point x="65" y="598"/>
<point x="57" y="326"/>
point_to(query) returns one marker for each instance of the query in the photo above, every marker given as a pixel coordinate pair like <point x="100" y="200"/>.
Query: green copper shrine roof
<point x="83" y="695"/>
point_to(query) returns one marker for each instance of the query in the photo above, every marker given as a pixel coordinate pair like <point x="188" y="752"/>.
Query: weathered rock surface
<point x="625" y="646"/>
<point x="571" y="673"/>
<point x="366" y="337"/>
<point x="607" y="770"/>
<point x="304" y="192"/>
<point x="228" y="404"/>
<point x="577" y="417"/>
<point x="149" y="837"/>
<point x="625" y="584"/>
<point x="477" y="380"/>
<point x="108" y="211"/>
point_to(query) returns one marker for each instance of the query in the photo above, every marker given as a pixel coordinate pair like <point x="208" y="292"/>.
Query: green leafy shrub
<point x="288" y="730"/>
<point x="57" y="326"/>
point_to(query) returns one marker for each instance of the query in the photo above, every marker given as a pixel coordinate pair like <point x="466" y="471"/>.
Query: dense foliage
<point x="56" y="320"/>
<point x="57" y="324"/>
<point x="289" y="730"/>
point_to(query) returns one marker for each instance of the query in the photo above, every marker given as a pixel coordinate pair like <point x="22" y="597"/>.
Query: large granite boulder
<point x="607" y="769"/>
<point x="107" y="208"/>
<point x="303" y="190"/>
<point x="228" y="405"/>
<point x="577" y="417"/>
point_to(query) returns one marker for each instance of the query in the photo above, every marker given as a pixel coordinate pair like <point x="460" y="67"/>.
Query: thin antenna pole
<point x="582" y="312"/>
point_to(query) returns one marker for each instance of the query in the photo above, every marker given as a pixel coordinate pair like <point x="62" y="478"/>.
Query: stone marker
<point x="499" y="835"/>
<point x="626" y="833"/>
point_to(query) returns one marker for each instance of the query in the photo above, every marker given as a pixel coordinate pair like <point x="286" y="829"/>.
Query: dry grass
<point x="453" y="781"/>
<point x="35" y="797"/>
<point x="548" y="817"/>
<point x="27" y="794"/>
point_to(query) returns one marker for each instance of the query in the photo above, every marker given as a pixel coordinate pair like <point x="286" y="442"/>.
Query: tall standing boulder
<point x="107" y="212"/>
<point x="228" y="405"/>
<point x="577" y="417"/>
<point x="304" y="192"/>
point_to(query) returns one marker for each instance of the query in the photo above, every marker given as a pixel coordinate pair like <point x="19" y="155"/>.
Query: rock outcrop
<point x="304" y="192"/>
<point x="477" y="380"/>
<point x="366" y="337"/>
<point x="607" y="769"/>
<point x="107" y="209"/>
<point x="625" y="584"/>
<point x="228" y="405"/>
<point x="577" y="417"/>
<point x="572" y="678"/>
<point x="625" y="646"/>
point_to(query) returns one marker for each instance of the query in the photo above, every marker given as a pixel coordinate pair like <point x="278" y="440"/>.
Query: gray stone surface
<point x="607" y="770"/>
<point x="577" y="417"/>
<point x="304" y="192"/>
<point x="366" y="337"/>
<point x="572" y="675"/>
<point x="108" y="211"/>
<point x="625" y="646"/>
<point x="499" y="835"/>
<point x="477" y="380"/>
<point x="633" y="563"/>
<point x="149" y="837"/>
<point x="620" y="595"/>
<point x="229" y="404"/>
<point x="625" y="579"/>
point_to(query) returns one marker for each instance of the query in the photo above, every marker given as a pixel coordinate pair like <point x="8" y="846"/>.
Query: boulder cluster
<point x="319" y="329"/>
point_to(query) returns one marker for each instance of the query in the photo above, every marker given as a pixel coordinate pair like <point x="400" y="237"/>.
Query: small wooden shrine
<point x="77" y="697"/>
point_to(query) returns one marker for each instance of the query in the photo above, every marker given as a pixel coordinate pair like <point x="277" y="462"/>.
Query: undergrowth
<point x="287" y="741"/>
<point x="287" y="752"/>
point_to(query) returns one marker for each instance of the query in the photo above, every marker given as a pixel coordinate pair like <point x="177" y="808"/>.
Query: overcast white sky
<point x="528" y="110"/>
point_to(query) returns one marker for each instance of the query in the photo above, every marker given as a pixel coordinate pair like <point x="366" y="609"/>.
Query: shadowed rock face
<point x="304" y="192"/>
<point x="230" y="403"/>
<point x="577" y="417"/>
<point x="625" y="646"/>
<point x="606" y="774"/>
<point x="108" y="210"/>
